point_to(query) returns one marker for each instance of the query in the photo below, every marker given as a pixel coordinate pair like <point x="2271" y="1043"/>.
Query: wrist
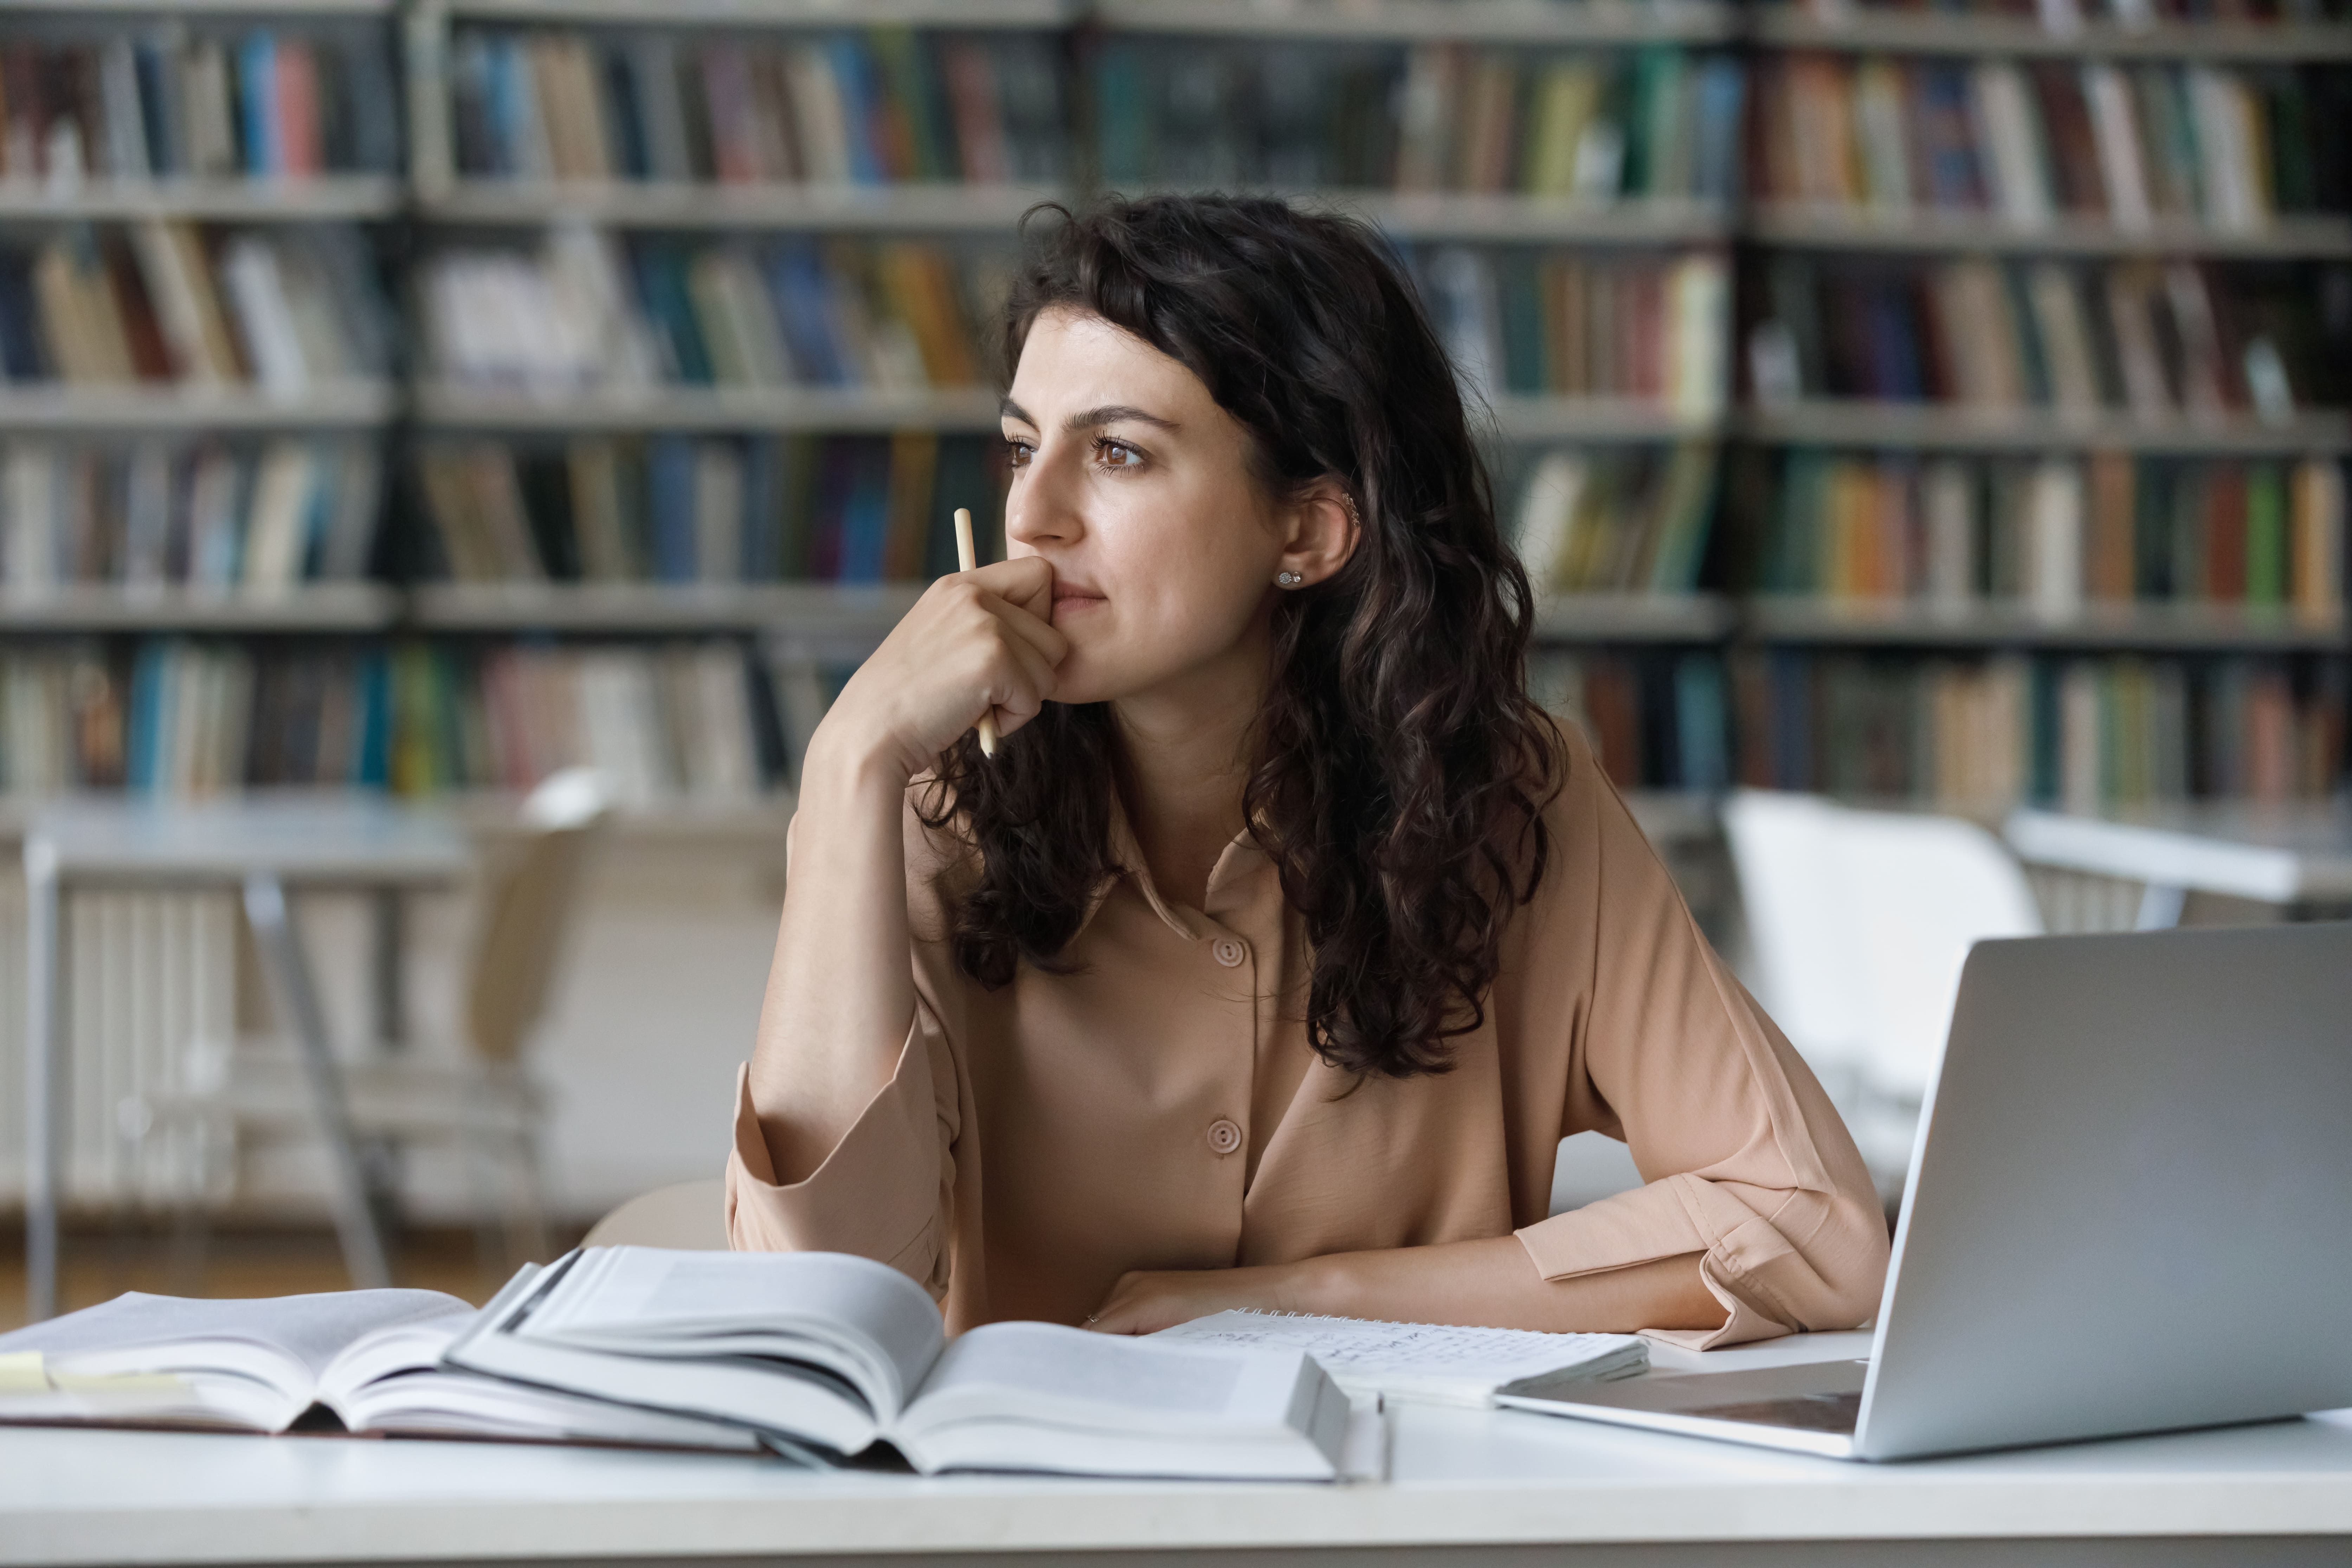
<point x="1324" y="1285"/>
<point x="843" y="763"/>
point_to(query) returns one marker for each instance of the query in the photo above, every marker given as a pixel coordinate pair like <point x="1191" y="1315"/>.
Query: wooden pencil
<point x="967" y="557"/>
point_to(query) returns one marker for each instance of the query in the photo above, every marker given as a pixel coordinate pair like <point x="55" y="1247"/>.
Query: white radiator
<point x="147" y="973"/>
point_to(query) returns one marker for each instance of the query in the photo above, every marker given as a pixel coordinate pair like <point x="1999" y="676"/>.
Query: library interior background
<point x="1932" y="405"/>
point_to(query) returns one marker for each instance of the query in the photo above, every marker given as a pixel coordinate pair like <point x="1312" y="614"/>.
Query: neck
<point x="1185" y="755"/>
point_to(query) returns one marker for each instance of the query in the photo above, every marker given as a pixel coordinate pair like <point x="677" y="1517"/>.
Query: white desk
<point x="2294" y="855"/>
<point x="263" y="846"/>
<point x="1467" y="1486"/>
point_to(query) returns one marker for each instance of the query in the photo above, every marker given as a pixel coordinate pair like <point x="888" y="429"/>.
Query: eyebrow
<point x="1090" y="418"/>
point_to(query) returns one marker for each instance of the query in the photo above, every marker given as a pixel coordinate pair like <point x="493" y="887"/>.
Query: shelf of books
<point x="701" y="302"/>
<point x="200" y="368"/>
<point x="1561" y="178"/>
<point x="1949" y="403"/>
<point x="1555" y="22"/>
<point x="2044" y="316"/>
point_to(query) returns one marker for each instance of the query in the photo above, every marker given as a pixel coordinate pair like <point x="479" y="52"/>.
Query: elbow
<point x="1849" y="1254"/>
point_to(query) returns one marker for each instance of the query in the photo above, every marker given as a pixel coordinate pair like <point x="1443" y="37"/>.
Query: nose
<point x="1042" y="507"/>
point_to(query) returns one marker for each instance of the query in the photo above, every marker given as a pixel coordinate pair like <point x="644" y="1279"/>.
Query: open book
<point x="1430" y="1362"/>
<point x="371" y="1357"/>
<point x="840" y="1353"/>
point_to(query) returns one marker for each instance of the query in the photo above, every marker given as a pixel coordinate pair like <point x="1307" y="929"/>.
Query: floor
<point x="102" y="1262"/>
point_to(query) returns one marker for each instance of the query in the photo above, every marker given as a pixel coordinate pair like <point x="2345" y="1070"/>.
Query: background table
<point x="2297" y="856"/>
<point x="262" y="848"/>
<point x="1468" y="1486"/>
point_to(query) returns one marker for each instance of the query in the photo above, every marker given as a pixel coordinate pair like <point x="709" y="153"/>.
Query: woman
<point x="1271" y="955"/>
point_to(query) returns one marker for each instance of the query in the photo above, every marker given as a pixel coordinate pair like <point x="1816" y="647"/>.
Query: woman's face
<point x="1131" y="482"/>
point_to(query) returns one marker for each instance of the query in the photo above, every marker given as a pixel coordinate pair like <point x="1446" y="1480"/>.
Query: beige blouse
<point x="1157" y="1107"/>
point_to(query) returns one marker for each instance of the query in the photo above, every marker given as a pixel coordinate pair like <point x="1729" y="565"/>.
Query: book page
<point x="138" y="1333"/>
<point x="1427" y="1359"/>
<point x="654" y="1302"/>
<point x="1056" y="1375"/>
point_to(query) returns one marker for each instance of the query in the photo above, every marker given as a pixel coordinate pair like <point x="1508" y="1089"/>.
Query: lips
<point x="1074" y="593"/>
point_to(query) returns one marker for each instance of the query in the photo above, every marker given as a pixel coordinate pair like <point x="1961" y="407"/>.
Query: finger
<point x="1017" y="703"/>
<point x="1039" y="633"/>
<point x="1026" y="580"/>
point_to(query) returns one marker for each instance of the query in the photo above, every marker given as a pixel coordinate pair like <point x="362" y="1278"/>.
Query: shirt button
<point x="1224" y="1136"/>
<point x="1230" y="954"/>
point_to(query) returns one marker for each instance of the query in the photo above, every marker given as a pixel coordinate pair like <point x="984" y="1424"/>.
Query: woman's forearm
<point x="841" y="995"/>
<point x="1493" y="1282"/>
<point x="1490" y="1283"/>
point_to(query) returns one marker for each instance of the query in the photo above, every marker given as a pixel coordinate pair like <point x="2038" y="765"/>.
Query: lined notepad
<point x="1431" y="1363"/>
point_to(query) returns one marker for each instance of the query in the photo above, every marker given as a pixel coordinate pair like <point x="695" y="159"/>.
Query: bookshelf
<point x="1972" y="581"/>
<point x="1657" y="627"/>
<point x="1534" y="22"/>
<point x="714" y="408"/>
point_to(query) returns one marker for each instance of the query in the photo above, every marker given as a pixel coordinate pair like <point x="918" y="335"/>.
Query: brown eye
<point x="1117" y="454"/>
<point x="1017" y="452"/>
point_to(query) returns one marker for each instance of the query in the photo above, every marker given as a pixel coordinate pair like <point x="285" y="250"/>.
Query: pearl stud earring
<point x="1288" y="579"/>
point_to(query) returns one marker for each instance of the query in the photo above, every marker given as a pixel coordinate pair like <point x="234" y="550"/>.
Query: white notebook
<point x="1431" y="1363"/>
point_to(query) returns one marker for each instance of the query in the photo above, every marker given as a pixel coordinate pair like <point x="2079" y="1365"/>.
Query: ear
<point x="1321" y="533"/>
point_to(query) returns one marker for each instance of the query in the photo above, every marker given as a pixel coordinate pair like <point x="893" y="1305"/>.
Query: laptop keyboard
<point x="1807" y="1412"/>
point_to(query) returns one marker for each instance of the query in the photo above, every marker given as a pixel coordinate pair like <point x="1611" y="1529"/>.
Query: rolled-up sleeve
<point x="1747" y="1164"/>
<point x="884" y="1192"/>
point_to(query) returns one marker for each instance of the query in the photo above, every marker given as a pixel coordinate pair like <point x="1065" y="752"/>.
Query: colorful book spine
<point x="189" y="718"/>
<point x="583" y="311"/>
<point x="848" y="109"/>
<point x="2156" y="341"/>
<point x="1657" y="719"/>
<point x="2028" y="144"/>
<point x="1535" y="324"/>
<point x="2059" y="534"/>
<point x="1656" y="122"/>
<point x="847" y="508"/>
<point x="2087" y="733"/>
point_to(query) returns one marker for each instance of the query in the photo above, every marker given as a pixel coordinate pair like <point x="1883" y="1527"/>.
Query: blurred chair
<point x="1859" y="922"/>
<point x="690" y="1216"/>
<point x="473" y="1095"/>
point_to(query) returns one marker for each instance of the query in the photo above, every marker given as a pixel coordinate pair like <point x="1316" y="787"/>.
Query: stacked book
<point x="2031" y="142"/>
<point x="204" y="516"/>
<point x="2053" y="533"/>
<point x="1645" y="329"/>
<point x="162" y="301"/>
<point x="837" y="509"/>
<point x="1656" y="720"/>
<point x="586" y="311"/>
<point x="2156" y="340"/>
<point x="833" y="108"/>
<point x="1629" y="521"/>
<point x="1656" y="122"/>
<point x="183" y="101"/>
<point x="2088" y="733"/>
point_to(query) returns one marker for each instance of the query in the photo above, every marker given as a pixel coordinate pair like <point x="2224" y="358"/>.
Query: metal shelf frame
<point x="2151" y="626"/>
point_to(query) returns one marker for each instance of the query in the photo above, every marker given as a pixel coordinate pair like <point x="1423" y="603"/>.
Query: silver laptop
<point x="2130" y="1210"/>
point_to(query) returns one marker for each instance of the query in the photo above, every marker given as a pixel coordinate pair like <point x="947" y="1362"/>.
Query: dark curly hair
<point x="1399" y="769"/>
